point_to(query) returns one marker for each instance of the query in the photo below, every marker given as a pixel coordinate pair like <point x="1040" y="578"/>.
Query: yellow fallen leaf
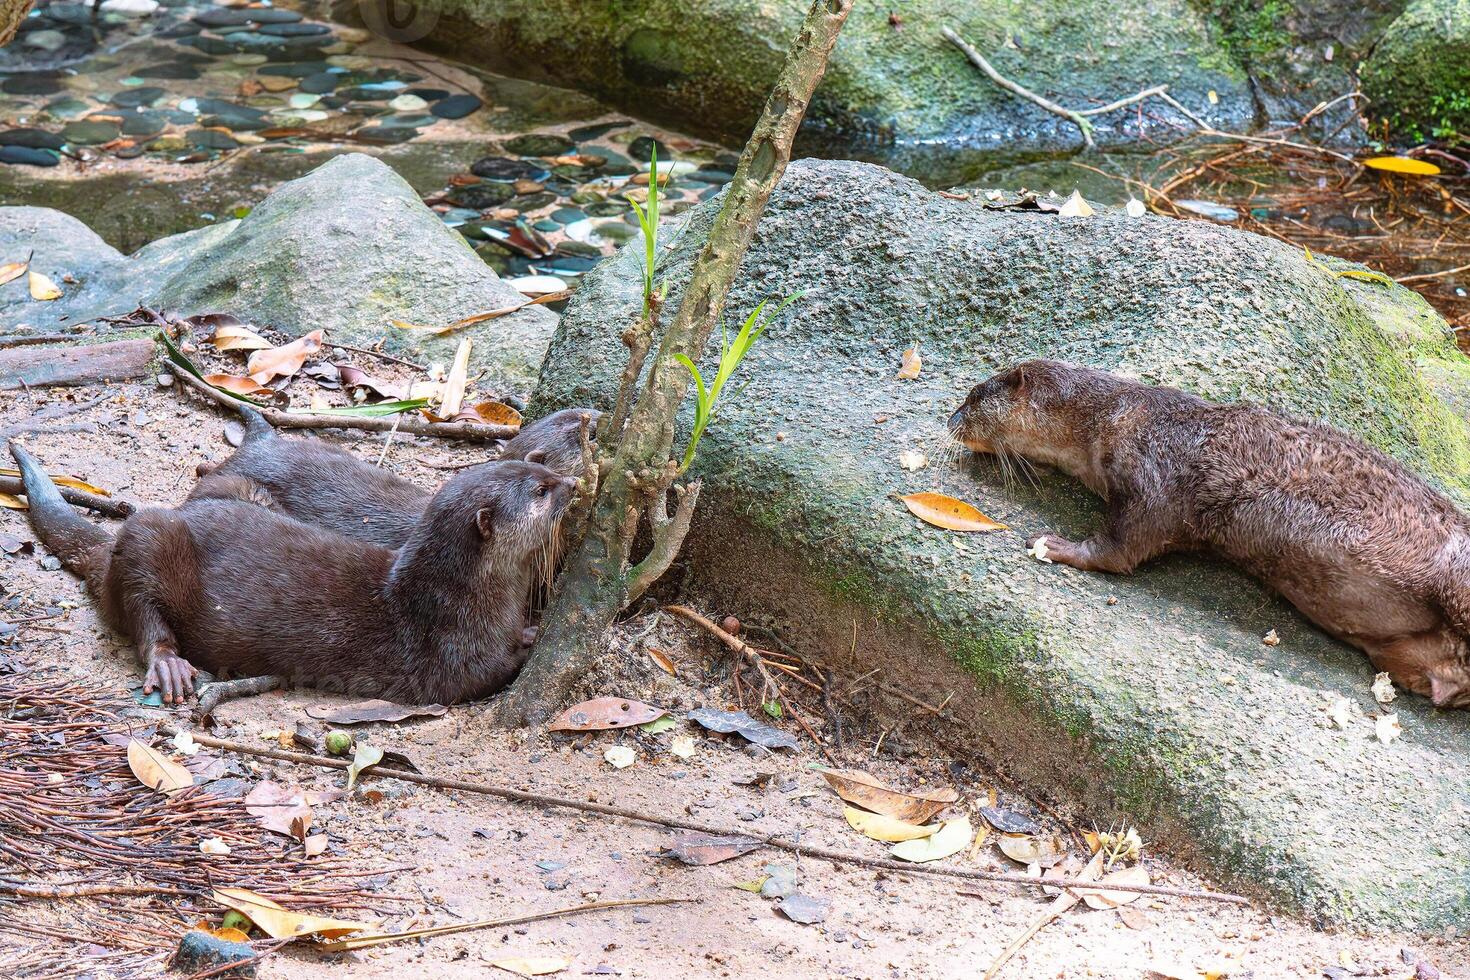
<point x="532" y="966"/>
<point x="12" y="502"/>
<point x="884" y="828"/>
<point x="1135" y="875"/>
<point x="948" y="512"/>
<point x="912" y="364"/>
<point x="11" y="271"/>
<point x="43" y="288"/>
<point x="1402" y="165"/>
<point x="952" y="837"/>
<point x="868" y="793"/>
<point x="156" y="770"/>
<point x="282" y="923"/>
<point x="482" y="317"/>
<point x="62" y="480"/>
<point x="663" y="661"/>
<point x="236" y="336"/>
<point x="1027" y="849"/>
<point x="454" y="383"/>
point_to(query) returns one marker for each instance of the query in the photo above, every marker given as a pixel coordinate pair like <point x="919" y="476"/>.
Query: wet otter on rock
<point x="238" y="588"/>
<point x="1363" y="547"/>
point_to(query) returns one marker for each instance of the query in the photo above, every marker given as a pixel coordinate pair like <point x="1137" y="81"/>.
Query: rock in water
<point x="1165" y="704"/>
<point x="348" y="248"/>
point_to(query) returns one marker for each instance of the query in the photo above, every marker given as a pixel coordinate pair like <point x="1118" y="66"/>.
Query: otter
<point x="1360" y="545"/>
<point x="241" y="589"/>
<point x="327" y="486"/>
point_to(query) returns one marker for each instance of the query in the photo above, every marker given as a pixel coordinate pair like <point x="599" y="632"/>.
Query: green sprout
<point x="648" y="221"/>
<point x="731" y="354"/>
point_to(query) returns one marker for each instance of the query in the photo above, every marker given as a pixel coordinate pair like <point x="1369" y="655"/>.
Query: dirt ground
<point x="471" y="857"/>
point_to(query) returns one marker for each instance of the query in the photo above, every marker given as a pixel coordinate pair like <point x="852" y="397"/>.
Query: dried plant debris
<point x="747" y="727"/>
<point x="601" y="714"/>
<point x="702" y="849"/>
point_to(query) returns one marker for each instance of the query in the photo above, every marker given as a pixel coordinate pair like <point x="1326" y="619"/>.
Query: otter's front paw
<point x="1051" y="548"/>
<point x="170" y="673"/>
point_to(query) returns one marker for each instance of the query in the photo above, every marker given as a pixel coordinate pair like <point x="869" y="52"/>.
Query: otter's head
<point x="1016" y="410"/>
<point x="554" y="441"/>
<point x="511" y="509"/>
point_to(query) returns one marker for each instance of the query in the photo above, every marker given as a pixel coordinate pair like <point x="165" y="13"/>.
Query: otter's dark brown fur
<point x="240" y="589"/>
<point x="324" y="485"/>
<point x="1364" y="548"/>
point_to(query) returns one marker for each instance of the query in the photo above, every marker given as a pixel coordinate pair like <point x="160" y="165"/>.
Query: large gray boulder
<point x="1418" y="73"/>
<point x="1163" y="707"/>
<point x="348" y="248"/>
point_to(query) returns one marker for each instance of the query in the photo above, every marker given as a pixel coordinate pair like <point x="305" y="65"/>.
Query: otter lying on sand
<point x="240" y="589"/>
<point x="1364" y="548"/>
<point x="324" y="485"/>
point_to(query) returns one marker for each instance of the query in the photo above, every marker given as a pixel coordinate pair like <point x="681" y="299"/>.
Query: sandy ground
<point x="471" y="857"/>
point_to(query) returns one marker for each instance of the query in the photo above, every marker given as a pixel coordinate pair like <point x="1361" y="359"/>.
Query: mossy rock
<point x="1418" y="74"/>
<point x="1150" y="697"/>
<point x="348" y="248"/>
<point x="897" y="90"/>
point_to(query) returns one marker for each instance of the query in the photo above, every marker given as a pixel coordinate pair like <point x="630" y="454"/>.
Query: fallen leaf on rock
<point x="1135" y="875"/>
<point x="952" y="837"/>
<point x="1043" y="851"/>
<point x="1402" y="165"/>
<point x="1008" y="821"/>
<point x="1383" y="691"/>
<point x="1271" y="639"/>
<point x="363" y="759"/>
<point x="912" y="365"/>
<point x="281" y="923"/>
<point x="531" y="966"/>
<point x="1076" y="207"/>
<point x="11" y="271"/>
<point x="236" y="385"/>
<point x="1340" y="713"/>
<point x="237" y="336"/>
<point x="156" y="770"/>
<point x="804" y="908"/>
<point x="865" y="791"/>
<point x="885" y="828"/>
<point x="748" y="728"/>
<point x="601" y="714"/>
<point x="1387" y="727"/>
<point x="481" y="317"/>
<point x="663" y="661"/>
<point x="372" y="710"/>
<point x="620" y="756"/>
<point x="702" y="849"/>
<point x="950" y="513"/>
<point x="1134" y="208"/>
<point x="283" y="361"/>
<point x="42" y="288"/>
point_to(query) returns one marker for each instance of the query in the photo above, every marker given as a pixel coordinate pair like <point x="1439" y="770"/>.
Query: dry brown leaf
<point x="281" y="809"/>
<point x="948" y="512"/>
<point x="12" y="502"/>
<point x="663" y="661"/>
<point x="237" y="336"/>
<point x="235" y="385"/>
<point x="532" y="966"/>
<point x="1135" y="875"/>
<point x="455" y="381"/>
<point x="315" y="844"/>
<point x="281" y="923"/>
<point x="11" y="271"/>
<point x="372" y="710"/>
<point x="490" y="413"/>
<point x="1026" y="849"/>
<point x="156" y="770"/>
<point x="482" y="317"/>
<point x="43" y="288"/>
<point x="601" y="714"/>
<point x="283" y="361"/>
<point x="865" y="791"/>
<point x="912" y="364"/>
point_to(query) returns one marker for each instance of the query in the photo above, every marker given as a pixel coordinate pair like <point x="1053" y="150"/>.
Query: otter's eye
<point x="542" y="491"/>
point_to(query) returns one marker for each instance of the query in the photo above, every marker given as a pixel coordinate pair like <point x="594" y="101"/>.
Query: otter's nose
<point x="957" y="420"/>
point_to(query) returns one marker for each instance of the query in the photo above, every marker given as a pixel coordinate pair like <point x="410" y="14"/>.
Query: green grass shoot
<point x="648" y="221"/>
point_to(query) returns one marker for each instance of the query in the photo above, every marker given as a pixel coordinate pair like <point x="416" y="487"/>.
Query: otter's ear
<point x="484" y="521"/>
<point x="536" y="456"/>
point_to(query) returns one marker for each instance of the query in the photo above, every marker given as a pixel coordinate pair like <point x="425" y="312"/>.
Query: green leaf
<point x="182" y="362"/>
<point x="375" y="410"/>
<point x="363" y="759"/>
<point x="772" y="708"/>
<point x="658" y="726"/>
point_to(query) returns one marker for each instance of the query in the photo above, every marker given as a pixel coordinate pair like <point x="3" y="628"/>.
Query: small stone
<point x="455" y="107"/>
<point x="539" y="145"/>
<point x="46" y="40"/>
<point x="407" y="103"/>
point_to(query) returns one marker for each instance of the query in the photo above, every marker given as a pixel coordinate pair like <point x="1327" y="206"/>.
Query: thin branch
<point x="1433" y="275"/>
<point x="1060" y="904"/>
<point x="376" y="353"/>
<point x="26" y="340"/>
<point x="106" y="506"/>
<point x="1115" y="106"/>
<point x="303" y="420"/>
<point x="668" y="537"/>
<point x="86" y="890"/>
<point x="37" y="421"/>
<point x="978" y="60"/>
<point x="778" y="841"/>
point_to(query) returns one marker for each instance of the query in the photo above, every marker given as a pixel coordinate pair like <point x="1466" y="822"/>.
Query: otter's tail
<point x="61" y="529"/>
<point x="257" y="429"/>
